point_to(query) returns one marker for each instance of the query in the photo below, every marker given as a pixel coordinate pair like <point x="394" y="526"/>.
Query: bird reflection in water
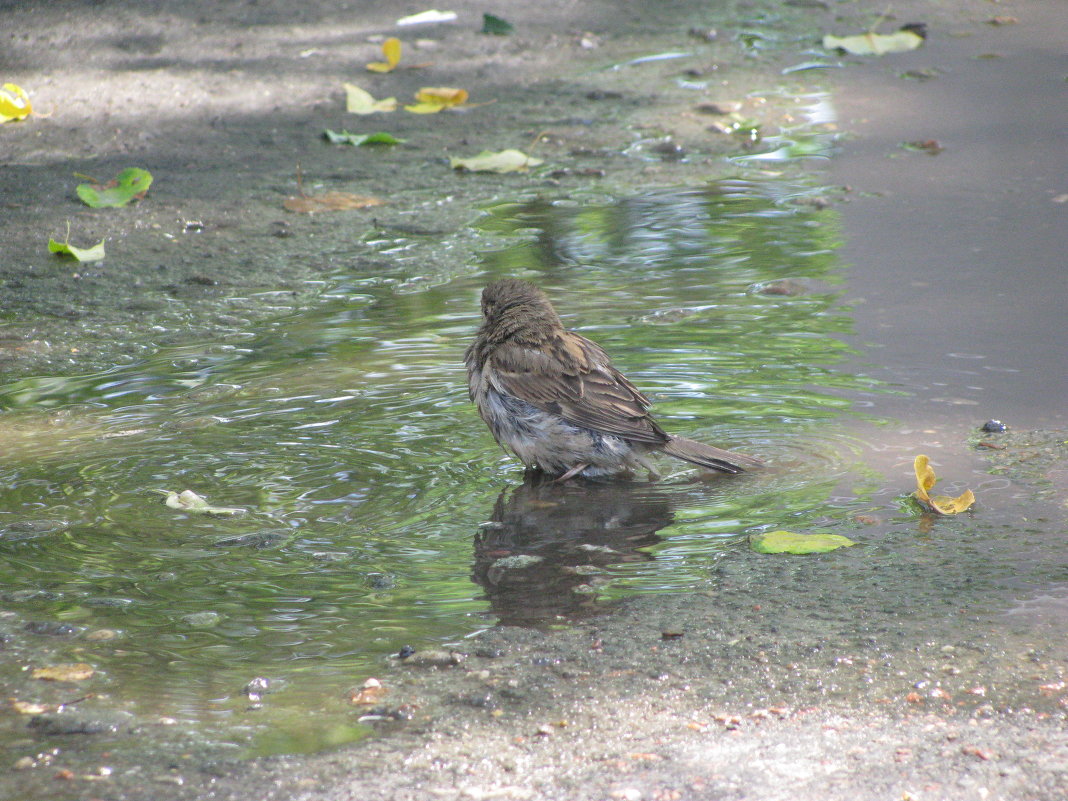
<point x="542" y="552"/>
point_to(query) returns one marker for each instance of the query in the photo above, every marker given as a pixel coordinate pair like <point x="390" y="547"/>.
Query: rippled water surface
<point x="379" y="509"/>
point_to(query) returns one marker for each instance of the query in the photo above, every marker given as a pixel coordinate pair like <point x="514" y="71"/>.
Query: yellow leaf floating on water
<point x="189" y="501"/>
<point x="432" y="99"/>
<point x="391" y="50"/>
<point x="360" y="101"/>
<point x="942" y="504"/>
<point x="14" y="103"/>
<point x="790" y="542"/>
<point x="29" y="707"/>
<point x="503" y="161"/>
<point x="78" y="671"/>
<point x="874" y="44"/>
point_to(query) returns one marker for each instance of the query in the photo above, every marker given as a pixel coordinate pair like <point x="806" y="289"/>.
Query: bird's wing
<point x="572" y="377"/>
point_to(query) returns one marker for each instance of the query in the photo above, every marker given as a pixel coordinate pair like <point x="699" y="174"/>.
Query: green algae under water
<point x="378" y="507"/>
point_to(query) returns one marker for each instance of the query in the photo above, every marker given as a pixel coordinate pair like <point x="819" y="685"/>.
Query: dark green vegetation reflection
<point x="379" y="511"/>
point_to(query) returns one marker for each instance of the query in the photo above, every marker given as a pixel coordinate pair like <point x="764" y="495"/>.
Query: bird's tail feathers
<point x="708" y="456"/>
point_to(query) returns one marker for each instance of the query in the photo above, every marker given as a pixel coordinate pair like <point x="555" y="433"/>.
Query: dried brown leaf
<point x="330" y="201"/>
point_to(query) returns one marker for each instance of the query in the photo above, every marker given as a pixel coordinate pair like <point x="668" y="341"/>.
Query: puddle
<point x="346" y="435"/>
<point x="380" y="514"/>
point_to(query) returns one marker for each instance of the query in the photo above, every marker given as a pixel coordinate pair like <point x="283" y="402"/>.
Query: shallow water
<point x="347" y="436"/>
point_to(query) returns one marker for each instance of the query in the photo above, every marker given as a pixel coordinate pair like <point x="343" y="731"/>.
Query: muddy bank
<point x="222" y="105"/>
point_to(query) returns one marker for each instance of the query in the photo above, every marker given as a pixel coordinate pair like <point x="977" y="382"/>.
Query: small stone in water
<point x="381" y="581"/>
<point x="434" y="658"/>
<point x="51" y="628"/>
<point x="75" y="723"/>
<point x="993" y="427"/>
<point x="202" y="619"/>
<point x="257" y="687"/>
<point x="669" y="151"/>
<point x="102" y="635"/>
<point x="781" y="286"/>
<point x="405" y="652"/>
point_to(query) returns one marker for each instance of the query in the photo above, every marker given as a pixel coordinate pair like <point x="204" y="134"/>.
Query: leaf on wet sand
<point x="78" y="671"/>
<point x="939" y="504"/>
<point x="874" y="44"/>
<point x="357" y="140"/>
<point x="92" y="253"/>
<point x="432" y="99"/>
<point x="65" y="248"/>
<point x="391" y="51"/>
<point x="931" y="147"/>
<point x="360" y="101"/>
<point x="501" y="161"/>
<point x="29" y="707"/>
<point x="14" y="103"/>
<point x="427" y="17"/>
<point x="790" y="542"/>
<point x="189" y="501"/>
<point x="493" y="24"/>
<point x="130" y="184"/>
<point x="330" y="201"/>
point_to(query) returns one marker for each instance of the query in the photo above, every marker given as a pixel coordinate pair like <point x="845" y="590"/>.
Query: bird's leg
<point x="574" y="471"/>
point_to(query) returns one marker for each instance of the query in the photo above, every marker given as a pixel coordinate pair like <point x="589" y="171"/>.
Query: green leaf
<point x="495" y="25"/>
<point x="789" y="542"/>
<point x="130" y="184"/>
<point x="189" y="501"/>
<point x="346" y="138"/>
<point x="65" y="248"/>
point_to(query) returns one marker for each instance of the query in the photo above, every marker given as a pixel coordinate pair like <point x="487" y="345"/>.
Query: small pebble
<point x="257" y="687"/>
<point x="101" y="635"/>
<point x="434" y="658"/>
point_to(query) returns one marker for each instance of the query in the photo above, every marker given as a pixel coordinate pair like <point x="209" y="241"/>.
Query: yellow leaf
<point x="874" y="44"/>
<point x="432" y="99"/>
<point x="391" y="49"/>
<point x="14" y="103"/>
<point x="941" y="504"/>
<point x="79" y="671"/>
<point x="359" y="101"/>
<point x="503" y="161"/>
<point x="28" y="708"/>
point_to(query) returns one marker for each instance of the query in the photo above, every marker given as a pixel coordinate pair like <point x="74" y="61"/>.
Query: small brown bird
<point x="554" y="399"/>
